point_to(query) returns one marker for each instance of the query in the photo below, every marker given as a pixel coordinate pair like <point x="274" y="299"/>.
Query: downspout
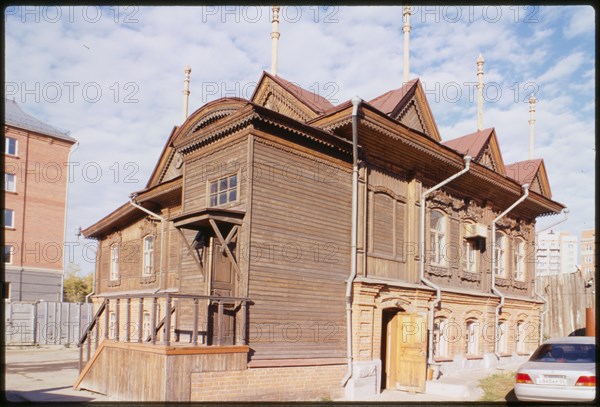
<point x="353" y="255"/>
<point x="544" y="311"/>
<point x="493" y="246"/>
<point x="62" y="280"/>
<point x="162" y="233"/>
<point x="438" y="291"/>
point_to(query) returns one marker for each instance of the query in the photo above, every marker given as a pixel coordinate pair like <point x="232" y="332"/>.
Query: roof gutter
<point x="162" y="233"/>
<point x="493" y="246"/>
<point x="353" y="253"/>
<point x="545" y="309"/>
<point x="438" y="291"/>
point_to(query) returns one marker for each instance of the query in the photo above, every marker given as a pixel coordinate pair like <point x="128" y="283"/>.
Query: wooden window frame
<point x="210" y="194"/>
<point x="500" y="253"/>
<point x="113" y="269"/>
<point x="10" y="256"/>
<point x="470" y="344"/>
<point x="148" y="253"/>
<point x="437" y="248"/>
<point x="519" y="259"/>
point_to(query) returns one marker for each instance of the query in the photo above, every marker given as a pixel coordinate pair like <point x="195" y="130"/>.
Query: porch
<point x="146" y="347"/>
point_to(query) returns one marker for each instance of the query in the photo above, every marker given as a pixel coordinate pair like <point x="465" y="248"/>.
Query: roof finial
<point x="532" y="101"/>
<point x="480" y="62"/>
<point x="186" y="91"/>
<point x="406" y="30"/>
<point x="274" y="39"/>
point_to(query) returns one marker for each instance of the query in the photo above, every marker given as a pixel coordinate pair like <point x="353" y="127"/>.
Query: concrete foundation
<point x="365" y="381"/>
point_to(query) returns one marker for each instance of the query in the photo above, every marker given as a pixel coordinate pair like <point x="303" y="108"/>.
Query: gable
<point x="409" y="106"/>
<point x="532" y="172"/>
<point x="289" y="99"/>
<point x="491" y="157"/>
<point x="482" y="146"/>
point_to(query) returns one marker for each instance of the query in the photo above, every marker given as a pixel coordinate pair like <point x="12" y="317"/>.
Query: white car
<point x="561" y="369"/>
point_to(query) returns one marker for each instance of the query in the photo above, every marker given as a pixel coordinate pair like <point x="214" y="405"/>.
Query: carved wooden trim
<point x="502" y="282"/>
<point x="440" y="271"/>
<point x="520" y="285"/>
<point x="468" y="276"/>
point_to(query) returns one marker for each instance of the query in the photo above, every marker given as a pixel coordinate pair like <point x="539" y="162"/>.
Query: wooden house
<point x="226" y="277"/>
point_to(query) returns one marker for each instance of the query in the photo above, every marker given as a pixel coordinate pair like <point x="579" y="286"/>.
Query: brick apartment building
<point x="35" y="194"/>
<point x="588" y="251"/>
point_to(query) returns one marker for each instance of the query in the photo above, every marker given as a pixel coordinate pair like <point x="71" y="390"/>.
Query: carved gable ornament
<point x="444" y="200"/>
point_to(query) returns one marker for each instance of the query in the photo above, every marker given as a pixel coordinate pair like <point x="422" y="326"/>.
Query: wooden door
<point x="406" y="362"/>
<point x="222" y="284"/>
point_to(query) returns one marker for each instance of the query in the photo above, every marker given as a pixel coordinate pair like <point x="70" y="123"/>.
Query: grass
<point x="497" y="386"/>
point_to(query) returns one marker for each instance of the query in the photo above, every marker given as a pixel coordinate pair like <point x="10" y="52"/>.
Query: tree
<point x="76" y="286"/>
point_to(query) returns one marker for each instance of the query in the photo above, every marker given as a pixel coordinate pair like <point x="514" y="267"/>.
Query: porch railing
<point x="173" y="325"/>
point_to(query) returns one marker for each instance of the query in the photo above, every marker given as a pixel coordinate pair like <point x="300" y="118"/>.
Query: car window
<point x="565" y="353"/>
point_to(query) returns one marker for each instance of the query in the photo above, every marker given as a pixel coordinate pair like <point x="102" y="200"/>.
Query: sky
<point x="113" y="77"/>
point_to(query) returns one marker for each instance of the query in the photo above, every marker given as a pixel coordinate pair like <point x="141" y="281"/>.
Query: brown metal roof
<point x="313" y="100"/>
<point x="472" y="144"/>
<point x="388" y="102"/>
<point x="523" y="171"/>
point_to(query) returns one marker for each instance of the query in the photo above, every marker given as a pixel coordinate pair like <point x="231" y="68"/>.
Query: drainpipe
<point x="494" y="290"/>
<point x="438" y="291"/>
<point x="353" y="259"/>
<point x="538" y="295"/>
<point x="62" y="279"/>
<point x="162" y="233"/>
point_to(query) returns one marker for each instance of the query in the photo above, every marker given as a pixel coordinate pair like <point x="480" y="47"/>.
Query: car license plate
<point x="558" y="380"/>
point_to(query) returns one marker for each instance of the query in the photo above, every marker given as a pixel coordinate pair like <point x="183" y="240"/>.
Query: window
<point x="502" y="337"/>
<point x="146" y="326"/>
<point x="6" y="291"/>
<point x="588" y="259"/>
<point x="114" y="262"/>
<point x="148" y="263"/>
<point x="520" y="337"/>
<point x="438" y="237"/>
<point x="112" y="325"/>
<point x="11" y="146"/>
<point x="519" y="260"/>
<point x="469" y="256"/>
<point x="440" y="335"/>
<point x="9" y="218"/>
<point x="472" y="333"/>
<point x="499" y="255"/>
<point x="223" y="190"/>
<point x="8" y="254"/>
<point x="10" y="182"/>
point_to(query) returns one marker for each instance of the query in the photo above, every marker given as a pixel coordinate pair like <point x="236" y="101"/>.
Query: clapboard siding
<point x="300" y="256"/>
<point x="230" y="158"/>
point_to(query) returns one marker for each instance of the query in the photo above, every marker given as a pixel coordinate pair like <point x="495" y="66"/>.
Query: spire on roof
<point x="480" y="62"/>
<point x="274" y="39"/>
<point x="406" y="30"/>
<point x="532" y="101"/>
<point x="186" y="90"/>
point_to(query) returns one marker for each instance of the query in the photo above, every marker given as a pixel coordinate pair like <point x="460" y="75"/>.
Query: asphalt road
<point x="44" y="375"/>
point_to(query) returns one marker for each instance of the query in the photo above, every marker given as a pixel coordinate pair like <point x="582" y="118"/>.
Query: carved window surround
<point x="441" y="271"/>
<point x="468" y="276"/>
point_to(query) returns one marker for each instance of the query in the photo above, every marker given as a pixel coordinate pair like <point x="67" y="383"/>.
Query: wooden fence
<point x="45" y="322"/>
<point x="568" y="296"/>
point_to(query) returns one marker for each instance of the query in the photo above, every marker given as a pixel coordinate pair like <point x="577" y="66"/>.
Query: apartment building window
<point x="8" y="254"/>
<point x="148" y="263"/>
<point x="223" y="190"/>
<point x="472" y="333"/>
<point x="519" y="260"/>
<point x="146" y="326"/>
<point x="112" y="325"/>
<point x="437" y="227"/>
<point x="9" y="218"/>
<point x="6" y="291"/>
<point x="500" y="255"/>
<point x="10" y="182"/>
<point x="11" y="146"/>
<point x="588" y="259"/>
<point x="114" y="262"/>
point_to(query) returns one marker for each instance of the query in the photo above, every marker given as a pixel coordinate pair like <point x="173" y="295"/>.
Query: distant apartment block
<point x="35" y="194"/>
<point x="556" y="253"/>
<point x="588" y="251"/>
